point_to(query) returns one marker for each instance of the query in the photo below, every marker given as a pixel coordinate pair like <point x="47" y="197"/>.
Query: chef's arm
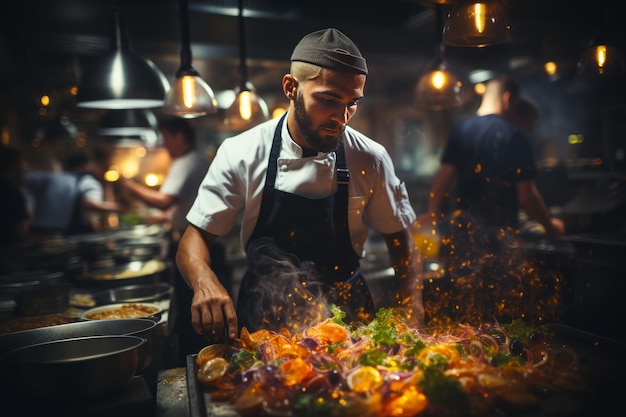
<point x="439" y="189"/>
<point x="407" y="265"/>
<point x="212" y="307"/>
<point x="150" y="196"/>
<point x="531" y="202"/>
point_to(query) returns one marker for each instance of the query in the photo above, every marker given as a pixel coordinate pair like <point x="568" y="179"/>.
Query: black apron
<point x="311" y="234"/>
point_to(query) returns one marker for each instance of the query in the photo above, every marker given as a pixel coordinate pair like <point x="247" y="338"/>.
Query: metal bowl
<point x="144" y="328"/>
<point x="124" y="311"/>
<point x="84" y="367"/>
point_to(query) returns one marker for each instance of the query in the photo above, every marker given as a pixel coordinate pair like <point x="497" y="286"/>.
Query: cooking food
<point x="122" y="311"/>
<point x="386" y="368"/>
<point x="82" y="300"/>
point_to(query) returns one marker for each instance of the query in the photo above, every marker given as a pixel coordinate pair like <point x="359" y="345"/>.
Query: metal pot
<point x="83" y="368"/>
<point x="37" y="292"/>
<point x="133" y="294"/>
<point x="131" y="273"/>
<point x="143" y="328"/>
<point x="139" y="249"/>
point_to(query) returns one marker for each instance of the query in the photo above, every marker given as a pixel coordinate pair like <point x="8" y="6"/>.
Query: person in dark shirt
<point x="14" y="215"/>
<point x="489" y="159"/>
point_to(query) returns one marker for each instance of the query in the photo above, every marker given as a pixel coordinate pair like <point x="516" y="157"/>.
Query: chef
<point x="308" y="187"/>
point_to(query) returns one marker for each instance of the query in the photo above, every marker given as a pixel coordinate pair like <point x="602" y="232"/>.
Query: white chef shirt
<point x="182" y="181"/>
<point x="234" y="183"/>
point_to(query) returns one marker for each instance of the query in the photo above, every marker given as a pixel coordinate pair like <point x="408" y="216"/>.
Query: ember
<point x="486" y="280"/>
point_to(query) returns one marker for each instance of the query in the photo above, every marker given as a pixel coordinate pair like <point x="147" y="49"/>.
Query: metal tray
<point x="602" y="362"/>
<point x="200" y="404"/>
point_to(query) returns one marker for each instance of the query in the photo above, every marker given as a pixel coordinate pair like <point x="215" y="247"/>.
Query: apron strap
<point x="267" y="201"/>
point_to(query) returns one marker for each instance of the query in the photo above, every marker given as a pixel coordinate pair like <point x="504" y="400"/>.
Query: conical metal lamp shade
<point x="121" y="79"/>
<point x="128" y="122"/>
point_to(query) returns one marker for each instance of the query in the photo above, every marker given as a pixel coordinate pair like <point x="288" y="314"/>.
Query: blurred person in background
<point x="62" y="202"/>
<point x="14" y="214"/>
<point x="489" y="167"/>
<point x="525" y="114"/>
<point x="490" y="158"/>
<point x="174" y="198"/>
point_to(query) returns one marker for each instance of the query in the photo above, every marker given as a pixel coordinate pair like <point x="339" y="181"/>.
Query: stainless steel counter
<point x="171" y="396"/>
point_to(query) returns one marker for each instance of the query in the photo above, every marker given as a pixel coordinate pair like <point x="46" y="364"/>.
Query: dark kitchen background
<point x="580" y="140"/>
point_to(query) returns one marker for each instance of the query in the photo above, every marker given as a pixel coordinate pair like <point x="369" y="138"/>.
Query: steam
<point x="286" y="292"/>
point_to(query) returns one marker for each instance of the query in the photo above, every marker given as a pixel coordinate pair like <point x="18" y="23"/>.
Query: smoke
<point x="285" y="292"/>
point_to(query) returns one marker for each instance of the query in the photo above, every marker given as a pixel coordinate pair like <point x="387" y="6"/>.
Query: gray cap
<point x="329" y="48"/>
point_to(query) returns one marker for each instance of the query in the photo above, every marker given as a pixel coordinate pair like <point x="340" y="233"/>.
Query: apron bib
<point x="313" y="236"/>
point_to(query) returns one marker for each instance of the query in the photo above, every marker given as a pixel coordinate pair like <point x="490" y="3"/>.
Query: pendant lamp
<point x="130" y="126"/>
<point x="601" y="58"/>
<point x="249" y="108"/>
<point x="439" y="88"/>
<point x="477" y="24"/>
<point x="121" y="79"/>
<point x="127" y="122"/>
<point x="189" y="96"/>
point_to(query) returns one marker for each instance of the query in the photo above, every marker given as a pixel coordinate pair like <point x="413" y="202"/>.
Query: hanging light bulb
<point x="601" y="58"/>
<point x="248" y="108"/>
<point x="440" y="89"/>
<point x="189" y="96"/>
<point x="477" y="24"/>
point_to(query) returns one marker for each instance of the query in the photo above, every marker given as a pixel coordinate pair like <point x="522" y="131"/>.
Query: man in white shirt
<point x="307" y="188"/>
<point x="178" y="191"/>
<point x="174" y="197"/>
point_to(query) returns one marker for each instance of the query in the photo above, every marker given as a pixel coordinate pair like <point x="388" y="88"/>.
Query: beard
<point x="311" y="134"/>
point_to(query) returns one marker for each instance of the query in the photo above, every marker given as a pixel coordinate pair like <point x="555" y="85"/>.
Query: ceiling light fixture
<point x="249" y="108"/>
<point x="128" y="122"/>
<point x="439" y="88"/>
<point x="601" y="58"/>
<point x="477" y="24"/>
<point x="189" y="96"/>
<point x="121" y="79"/>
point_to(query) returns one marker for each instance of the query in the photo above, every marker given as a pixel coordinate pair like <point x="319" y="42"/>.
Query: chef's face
<point x="324" y="106"/>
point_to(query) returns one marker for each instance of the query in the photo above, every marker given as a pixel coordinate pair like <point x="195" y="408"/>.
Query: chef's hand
<point x="213" y="310"/>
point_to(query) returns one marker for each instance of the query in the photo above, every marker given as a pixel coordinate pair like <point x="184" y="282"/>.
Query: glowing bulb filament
<point x="438" y="80"/>
<point x="480" y="10"/>
<point x="245" y="105"/>
<point x="601" y="55"/>
<point x="189" y="92"/>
